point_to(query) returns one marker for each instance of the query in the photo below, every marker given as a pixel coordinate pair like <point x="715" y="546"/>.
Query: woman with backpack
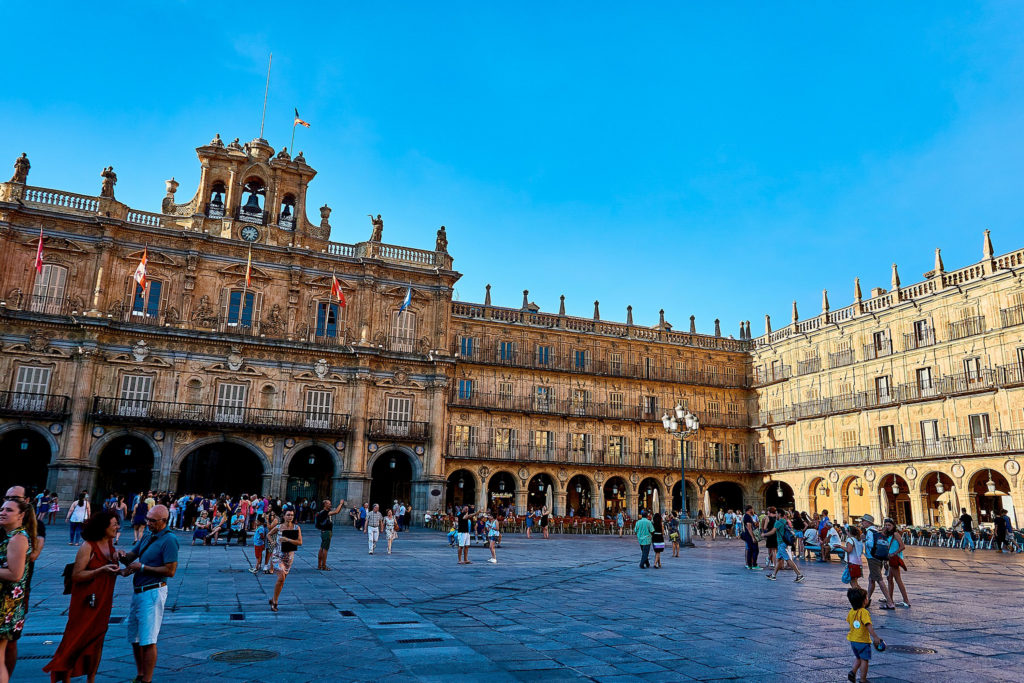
<point x="896" y="563"/>
<point x="785" y="539"/>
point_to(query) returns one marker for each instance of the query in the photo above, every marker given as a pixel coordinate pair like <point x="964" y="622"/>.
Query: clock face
<point x="250" y="234"/>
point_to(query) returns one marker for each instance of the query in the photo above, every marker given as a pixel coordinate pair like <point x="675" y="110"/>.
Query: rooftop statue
<point x="21" y="167"/>
<point x="378" y="228"/>
<point x="109" y="180"/>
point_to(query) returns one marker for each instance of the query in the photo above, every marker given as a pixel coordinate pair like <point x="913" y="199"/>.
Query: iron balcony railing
<point x="401" y="344"/>
<point x="919" y="339"/>
<point x="878" y="349"/>
<point x="22" y="404"/>
<point x="770" y="375"/>
<point x="111" y="410"/>
<point x="1012" y="316"/>
<point x="968" y="327"/>
<point x="806" y="367"/>
<point x="397" y="430"/>
<point x="1010" y="375"/>
<point x="841" y="358"/>
<point x="963" y="445"/>
<point x="254" y="217"/>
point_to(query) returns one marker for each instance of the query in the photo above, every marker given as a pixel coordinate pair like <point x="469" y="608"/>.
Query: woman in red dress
<point x="92" y="596"/>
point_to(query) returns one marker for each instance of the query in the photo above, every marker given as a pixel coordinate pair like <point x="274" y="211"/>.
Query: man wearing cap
<point x="152" y="561"/>
<point x="875" y="565"/>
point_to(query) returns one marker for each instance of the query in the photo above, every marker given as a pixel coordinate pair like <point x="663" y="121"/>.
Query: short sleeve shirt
<point x="373" y="519"/>
<point x="858" y="619"/>
<point x="324" y="522"/>
<point x="968" y="523"/>
<point x="155" y="552"/>
<point x="748" y="519"/>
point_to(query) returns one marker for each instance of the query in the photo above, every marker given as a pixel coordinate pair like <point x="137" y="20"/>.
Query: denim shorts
<point x="861" y="650"/>
<point x="782" y="552"/>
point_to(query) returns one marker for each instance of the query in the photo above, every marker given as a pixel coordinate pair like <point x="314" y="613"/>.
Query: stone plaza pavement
<point x="570" y="608"/>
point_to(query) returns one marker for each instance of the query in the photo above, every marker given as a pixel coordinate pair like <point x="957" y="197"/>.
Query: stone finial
<point x="743" y="333"/>
<point x="487" y="296"/>
<point x="597" y="310"/>
<point x="895" y="278"/>
<point x="856" y="290"/>
<point x="21" y="168"/>
<point x="526" y="302"/>
<point x="824" y="301"/>
<point x="300" y="158"/>
<point x="767" y="324"/>
<point x="748" y="329"/>
<point x="216" y="141"/>
<point x="693" y="324"/>
<point x="629" y="315"/>
<point x="661" y="319"/>
<point x="561" y="305"/>
<point x="987" y="252"/>
<point x="109" y="180"/>
<point x="796" y="316"/>
<point x="939" y="268"/>
<point x="172" y="186"/>
<point x="325" y="216"/>
<point x="718" y="328"/>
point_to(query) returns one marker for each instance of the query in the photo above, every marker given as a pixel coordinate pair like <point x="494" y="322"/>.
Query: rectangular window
<point x="887" y="436"/>
<point x="650" y="405"/>
<point x="579" y="400"/>
<point x="648" y="368"/>
<point x="146" y="302"/>
<point x="398" y="413"/>
<point x="30" y="385"/>
<point x="318" y="409"/>
<point x="328" y="319"/>
<point x="543" y="355"/>
<point x="617" y="450"/>
<point x="715" y="450"/>
<point x="881" y="342"/>
<point x="580" y="359"/>
<point x="615" y="404"/>
<point x="650" y="450"/>
<point x="505" y="442"/>
<point x="239" y="315"/>
<point x="979" y="426"/>
<point x="922" y="333"/>
<point x="713" y="408"/>
<point x="735" y="453"/>
<point x="542" y="399"/>
<point x="507" y="351"/>
<point x="465" y="389"/>
<point x="463" y="435"/>
<point x="929" y="431"/>
<point x="883" y="389"/>
<point x="466" y="347"/>
<point x="136" y="393"/>
<point x="543" y="443"/>
<point x="48" y="290"/>
<point x="580" y="445"/>
<point x="924" y="381"/>
<point x="972" y="369"/>
<point x="403" y="331"/>
<point x="505" y="394"/>
<point x="230" y="402"/>
<point x="615" y="363"/>
<point x="680" y="370"/>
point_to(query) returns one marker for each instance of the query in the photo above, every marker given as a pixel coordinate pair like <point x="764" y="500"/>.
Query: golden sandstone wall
<point x="212" y="380"/>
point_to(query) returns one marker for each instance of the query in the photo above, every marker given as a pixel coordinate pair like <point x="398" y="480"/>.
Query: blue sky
<point x="714" y="159"/>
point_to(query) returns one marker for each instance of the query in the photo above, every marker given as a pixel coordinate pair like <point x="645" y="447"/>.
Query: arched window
<point x="48" y="291"/>
<point x="268" y="397"/>
<point x="330" y="321"/>
<point x="253" y="193"/>
<point x="215" y="205"/>
<point x="194" y="391"/>
<point x="403" y="331"/>
<point x="286" y="213"/>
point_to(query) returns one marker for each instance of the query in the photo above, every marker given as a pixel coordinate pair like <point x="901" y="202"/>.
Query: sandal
<point x="273" y="606"/>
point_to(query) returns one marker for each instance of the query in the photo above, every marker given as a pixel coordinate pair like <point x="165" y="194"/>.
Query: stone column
<point x="558" y="501"/>
<point x="76" y="452"/>
<point x="521" y="499"/>
<point x="481" y="498"/>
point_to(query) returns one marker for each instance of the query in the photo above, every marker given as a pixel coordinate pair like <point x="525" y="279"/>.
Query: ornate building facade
<point x="260" y="356"/>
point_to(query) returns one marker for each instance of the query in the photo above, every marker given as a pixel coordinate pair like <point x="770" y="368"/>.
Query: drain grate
<point x="21" y="657"/>
<point x="347" y="613"/>
<point x="243" y="656"/>
<point x="395" y="623"/>
<point x="47" y="633"/>
<point x="237" y="616"/>
<point x="421" y="640"/>
<point x="372" y="601"/>
<point x="910" y="650"/>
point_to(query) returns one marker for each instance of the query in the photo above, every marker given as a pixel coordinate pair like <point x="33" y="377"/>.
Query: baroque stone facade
<point x="262" y="356"/>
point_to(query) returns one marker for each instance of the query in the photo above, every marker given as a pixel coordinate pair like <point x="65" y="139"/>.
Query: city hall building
<point x="256" y="355"/>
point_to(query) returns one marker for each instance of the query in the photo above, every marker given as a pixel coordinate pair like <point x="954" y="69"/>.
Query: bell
<point x="253" y="204"/>
<point x="287" y="211"/>
<point x="217" y="199"/>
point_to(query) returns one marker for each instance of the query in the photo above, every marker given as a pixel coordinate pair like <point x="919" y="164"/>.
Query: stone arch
<point x="99" y="444"/>
<point x="818" y="500"/>
<point x="336" y="457"/>
<point x="647" y="501"/>
<point x="465" y="494"/>
<point x="42" y="431"/>
<point x="896" y="504"/>
<point x="940" y="508"/>
<point x="394" y="473"/>
<point x="855" y="497"/>
<point x="727" y="495"/>
<point x="694" y="498"/>
<point x="769" y="493"/>
<point x="982" y="505"/>
<point x="193" y="446"/>
<point x="414" y="460"/>
<point x="506" y="495"/>
<point x="34" y="467"/>
<point x="182" y="468"/>
<point x="582" y="502"/>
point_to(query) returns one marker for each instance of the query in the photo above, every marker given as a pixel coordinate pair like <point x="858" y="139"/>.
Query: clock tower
<point x="248" y="192"/>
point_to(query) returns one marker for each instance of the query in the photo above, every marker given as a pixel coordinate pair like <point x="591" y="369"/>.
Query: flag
<point x="336" y="290"/>
<point x="406" y="301"/>
<point x="248" y="268"/>
<point x="140" y="272"/>
<point x="298" y="121"/>
<point x="39" y="252"/>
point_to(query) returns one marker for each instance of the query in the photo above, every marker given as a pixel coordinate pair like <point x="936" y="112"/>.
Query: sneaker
<point x="493" y="561"/>
<point x="770" y="577"/>
<point x="799" y="579"/>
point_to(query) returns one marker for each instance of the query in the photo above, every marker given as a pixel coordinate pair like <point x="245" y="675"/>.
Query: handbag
<point x="846" y="575"/>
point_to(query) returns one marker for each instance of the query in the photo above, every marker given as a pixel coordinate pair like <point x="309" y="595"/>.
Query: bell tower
<point x="248" y="185"/>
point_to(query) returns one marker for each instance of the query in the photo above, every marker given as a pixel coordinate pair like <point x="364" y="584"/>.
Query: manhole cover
<point x="382" y="623"/>
<point x="243" y="656"/>
<point x="347" y="613"/>
<point x="910" y="650"/>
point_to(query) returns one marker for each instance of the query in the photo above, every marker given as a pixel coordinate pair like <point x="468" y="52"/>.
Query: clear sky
<point x="717" y="159"/>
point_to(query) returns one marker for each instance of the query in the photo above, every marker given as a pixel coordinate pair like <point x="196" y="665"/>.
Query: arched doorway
<point x="819" y="493"/>
<point x="895" y="495"/>
<point x="577" y="496"/>
<point x="461" y="489"/>
<point x="539" y="492"/>
<point x="989" y="492"/>
<point x="501" y="491"/>
<point x="221" y="467"/>
<point x="693" y="503"/>
<point x="309" y="475"/>
<point x="856" y="500"/>
<point x="615" y="496"/>
<point x="778" y="494"/>
<point x="649" y="496"/>
<point x="726" y="495"/>
<point x="26" y="460"/>
<point x="125" y="468"/>
<point x="939" y="500"/>
<point x="391" y="479"/>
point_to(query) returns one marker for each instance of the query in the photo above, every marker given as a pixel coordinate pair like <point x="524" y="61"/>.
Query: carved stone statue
<point x="216" y="141"/>
<point x="109" y="180"/>
<point x="21" y="167"/>
<point x="300" y="158"/>
<point x="234" y="144"/>
<point x="283" y="154"/>
<point x="325" y="216"/>
<point x="378" y="228"/>
<point x="442" y="240"/>
<point x="274" y="322"/>
<point x="203" y="313"/>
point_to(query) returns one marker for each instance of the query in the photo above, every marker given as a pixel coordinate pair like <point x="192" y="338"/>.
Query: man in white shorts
<point x="463" y="540"/>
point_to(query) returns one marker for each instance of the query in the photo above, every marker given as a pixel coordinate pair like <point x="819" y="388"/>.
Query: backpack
<point x="788" y="537"/>
<point x="879" y="552"/>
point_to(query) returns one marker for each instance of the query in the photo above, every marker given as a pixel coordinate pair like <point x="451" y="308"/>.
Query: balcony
<point x="968" y="327"/>
<point x="1012" y="316"/>
<point x="44" y="406"/>
<point x="769" y="375"/>
<point x="1010" y="375"/>
<point x="919" y="339"/>
<point x="841" y="358"/>
<point x="256" y="217"/>
<point x="214" y="209"/>
<point x="397" y="430"/>
<point x="878" y="349"/>
<point x="110" y="410"/>
<point x="806" y="367"/>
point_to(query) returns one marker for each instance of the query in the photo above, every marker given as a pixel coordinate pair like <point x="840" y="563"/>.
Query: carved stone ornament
<point x="235" y="359"/>
<point x="635" y="478"/>
<point x="833" y="476"/>
<point x="524" y="473"/>
<point x="401" y="376"/>
<point x="958" y="471"/>
<point x="667" y="479"/>
<point x="911" y="473"/>
<point x="268" y="442"/>
<point x="1012" y="467"/>
<point x="140" y="351"/>
<point x="562" y="475"/>
<point x="37" y="342"/>
<point x="483" y="471"/>
<point x="599" y="476"/>
<point x="869" y="474"/>
<point x="321" y="368"/>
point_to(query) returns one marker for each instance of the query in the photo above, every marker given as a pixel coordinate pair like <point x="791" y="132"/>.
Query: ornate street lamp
<point x="579" y="488"/>
<point x="939" y="487"/>
<point x="778" y="490"/>
<point x="24" y="444"/>
<point x="682" y="425"/>
<point x="392" y="463"/>
<point x="895" y="488"/>
<point x="128" y="449"/>
<point x="462" y="483"/>
<point x="858" y="489"/>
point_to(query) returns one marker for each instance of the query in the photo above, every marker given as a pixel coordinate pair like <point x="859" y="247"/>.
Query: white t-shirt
<point x="833" y="538"/>
<point x="858" y="550"/>
<point x="78" y="514"/>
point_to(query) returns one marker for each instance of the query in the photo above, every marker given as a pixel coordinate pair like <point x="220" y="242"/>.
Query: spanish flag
<point x="140" y="272"/>
<point x="248" y="268"/>
<point x="298" y="120"/>
<point x="336" y="290"/>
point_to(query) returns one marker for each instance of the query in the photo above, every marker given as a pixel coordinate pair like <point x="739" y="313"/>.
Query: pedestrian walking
<point x="77" y="514"/>
<point x="894" y="571"/>
<point x="151" y="562"/>
<point x="771" y="542"/>
<point x="529" y="522"/>
<point x="799" y="526"/>
<point x="325" y="524"/>
<point x="854" y="553"/>
<point x="139" y="511"/>
<point x="17" y="519"/>
<point x="785" y="539"/>
<point x="657" y="539"/>
<point x="644" y="532"/>
<point x="749" y="535"/>
<point x="876" y="547"/>
<point x="269" y="553"/>
<point x="673" y="533"/>
<point x="390" y="528"/>
<point x="290" y="540"/>
<point x="545" y="521"/>
<point x="374" y="524"/>
<point x="1004" y="530"/>
<point x="463" y="536"/>
<point x="966" y="524"/>
<point x="861" y="633"/>
<point x="92" y="595"/>
<point x="493" y="534"/>
<point x="620" y="522"/>
<point x="259" y="543"/>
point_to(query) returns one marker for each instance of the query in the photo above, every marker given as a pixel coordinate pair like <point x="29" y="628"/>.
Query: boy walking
<point x="861" y="634"/>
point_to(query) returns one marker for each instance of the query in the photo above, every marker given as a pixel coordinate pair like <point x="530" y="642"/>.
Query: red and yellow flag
<point x="298" y="120"/>
<point x="39" y="252"/>
<point x="248" y="268"/>
<point x="336" y="290"/>
<point x="140" y="272"/>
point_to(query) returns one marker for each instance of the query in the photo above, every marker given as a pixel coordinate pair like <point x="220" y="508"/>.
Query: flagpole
<point x="334" y="278"/>
<point x="292" y="148"/>
<point x="265" y="93"/>
<point x="245" y="287"/>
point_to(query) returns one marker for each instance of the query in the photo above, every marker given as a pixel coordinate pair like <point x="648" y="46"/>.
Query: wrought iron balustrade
<point x="112" y="410"/>
<point x="918" y="339"/>
<point x="397" y="430"/>
<point x="214" y="210"/>
<point x="878" y="349"/>
<point x="254" y="217"/>
<point x="1012" y="316"/>
<point x="968" y="327"/>
<point x="841" y="358"/>
<point x="23" y="404"/>
<point x="806" y="367"/>
<point x="770" y="375"/>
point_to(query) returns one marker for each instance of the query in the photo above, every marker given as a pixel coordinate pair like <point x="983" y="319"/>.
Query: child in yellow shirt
<point x="861" y="633"/>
